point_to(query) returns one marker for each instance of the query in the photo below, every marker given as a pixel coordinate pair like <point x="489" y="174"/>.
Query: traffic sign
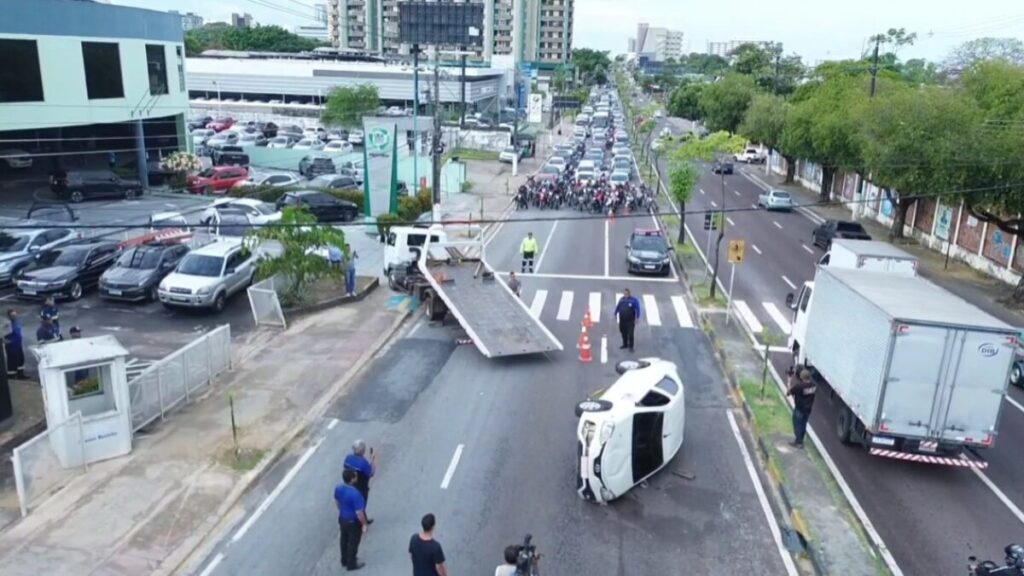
<point x="736" y="251"/>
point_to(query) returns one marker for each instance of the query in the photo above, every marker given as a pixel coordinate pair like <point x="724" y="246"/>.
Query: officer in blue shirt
<point x="363" y="468"/>
<point x="351" y="519"/>
<point x="628" y="312"/>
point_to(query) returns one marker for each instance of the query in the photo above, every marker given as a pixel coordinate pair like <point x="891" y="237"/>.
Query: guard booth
<point x="526" y="142"/>
<point x="86" y="375"/>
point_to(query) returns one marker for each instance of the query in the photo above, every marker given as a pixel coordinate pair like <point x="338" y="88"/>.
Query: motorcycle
<point x="1014" y="564"/>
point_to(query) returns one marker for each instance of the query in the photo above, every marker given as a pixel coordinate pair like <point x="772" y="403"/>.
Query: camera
<point x="526" y="564"/>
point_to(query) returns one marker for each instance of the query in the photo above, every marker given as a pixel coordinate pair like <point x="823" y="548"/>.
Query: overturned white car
<point x="631" y="430"/>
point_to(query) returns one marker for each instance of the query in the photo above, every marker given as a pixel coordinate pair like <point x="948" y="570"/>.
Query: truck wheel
<point x="1017" y="375"/>
<point x="392" y="284"/>
<point x="435" y="307"/>
<point x="844" y="425"/>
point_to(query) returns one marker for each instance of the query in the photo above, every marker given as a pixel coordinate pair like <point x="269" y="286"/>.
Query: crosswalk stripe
<point x="651" y="305"/>
<point x="595" y="306"/>
<point x="565" y="305"/>
<point x="681" y="312"/>
<point x="748" y="316"/>
<point x="777" y="316"/>
<point x="538" y="302"/>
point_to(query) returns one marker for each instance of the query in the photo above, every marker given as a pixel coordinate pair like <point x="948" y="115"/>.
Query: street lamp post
<point x="219" y="103"/>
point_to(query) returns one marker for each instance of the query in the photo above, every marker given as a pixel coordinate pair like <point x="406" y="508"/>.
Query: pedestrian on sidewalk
<point x="529" y="249"/>
<point x="802" y="389"/>
<point x="351" y="519"/>
<point x="514" y="284"/>
<point x="627" y="310"/>
<point x="50" y="310"/>
<point x="335" y="256"/>
<point x="363" y="469"/>
<point x="14" y="346"/>
<point x="425" y="552"/>
<point x="350" y="274"/>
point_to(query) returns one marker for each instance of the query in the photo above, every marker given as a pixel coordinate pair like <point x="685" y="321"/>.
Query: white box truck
<point x="869" y="255"/>
<point x="919" y="373"/>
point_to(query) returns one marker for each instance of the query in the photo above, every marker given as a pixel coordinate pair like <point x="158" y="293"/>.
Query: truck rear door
<point x="976" y="382"/>
<point x="917" y="360"/>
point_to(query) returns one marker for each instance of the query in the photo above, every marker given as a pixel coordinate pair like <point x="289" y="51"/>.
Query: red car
<point x="217" y="180"/>
<point x="221" y="124"/>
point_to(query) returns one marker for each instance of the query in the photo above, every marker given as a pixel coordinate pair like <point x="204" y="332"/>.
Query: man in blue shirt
<point x="628" y="312"/>
<point x="351" y="519"/>
<point x="14" y="346"/>
<point x="363" y="468"/>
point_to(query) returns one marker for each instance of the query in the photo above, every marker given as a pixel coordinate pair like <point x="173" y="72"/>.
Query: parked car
<point x="338" y="146"/>
<point x="249" y="140"/>
<point x="750" y="156"/>
<point x="79" y="185"/>
<point x="508" y="154"/>
<point x="229" y="156"/>
<point x="19" y="248"/>
<point x="337" y="135"/>
<point x="722" y="167"/>
<point x="282" y="141"/>
<point x="199" y="122"/>
<point x="308" y="144"/>
<point x="208" y="276"/>
<point x="225" y="138"/>
<point x="15" y="159"/>
<point x="258" y="211"/>
<point x="201" y="136"/>
<point x="135" y="275"/>
<point x="269" y="129"/>
<point x="334" y="181"/>
<point x="275" y="179"/>
<point x="356" y="137"/>
<point x="216" y="180"/>
<point x="66" y="272"/>
<point x="832" y="229"/>
<point x="325" y="207"/>
<point x="313" y="166"/>
<point x="775" y="200"/>
<point x="353" y="168"/>
<point x="221" y="124"/>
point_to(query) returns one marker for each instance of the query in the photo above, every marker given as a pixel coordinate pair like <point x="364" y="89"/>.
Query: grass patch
<point x="703" y="292"/>
<point x="468" y="154"/>
<point x="770" y="413"/>
<point x="687" y="249"/>
<point x="245" y="460"/>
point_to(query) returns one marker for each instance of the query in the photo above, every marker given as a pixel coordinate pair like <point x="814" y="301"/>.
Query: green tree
<point x="682" y="177"/>
<point x="346" y="106"/>
<point x="964" y="56"/>
<point x="765" y="122"/>
<point x="685" y="101"/>
<point x="220" y="36"/>
<point x="558" y="79"/>
<point x="724" y="103"/>
<point x="706" y="64"/>
<point x="707" y="149"/>
<point x="590" y="62"/>
<point x="303" y="240"/>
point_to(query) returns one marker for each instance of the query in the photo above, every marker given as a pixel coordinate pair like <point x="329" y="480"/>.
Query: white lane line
<point x="565" y="305"/>
<point x="773" y="526"/>
<point x="729" y="220"/>
<point x="604" y="349"/>
<point x="778" y="317"/>
<point x="788" y="282"/>
<point x="736" y="192"/>
<point x="681" y="312"/>
<point x="595" y="307"/>
<point x="713" y="205"/>
<point x="999" y="493"/>
<point x="606" y="252"/>
<point x="213" y="564"/>
<point x="414" y="329"/>
<point x="747" y="315"/>
<point x="277" y="491"/>
<point x="452" y="466"/>
<point x="755" y="248"/>
<point x="809" y="251"/>
<point x="1015" y="404"/>
<point x="701" y="190"/>
<point x="651" y="310"/>
<point x="539" y="297"/>
<point x="544" y="250"/>
<point x="754" y="206"/>
<point x="334" y="422"/>
<point x="591" y="277"/>
<point x="777" y="225"/>
<point x="8" y="297"/>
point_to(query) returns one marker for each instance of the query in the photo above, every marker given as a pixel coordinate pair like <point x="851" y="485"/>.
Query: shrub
<point x="357" y="197"/>
<point x="263" y="192"/>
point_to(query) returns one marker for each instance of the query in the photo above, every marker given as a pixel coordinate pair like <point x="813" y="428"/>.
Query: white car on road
<point x="775" y="200"/>
<point x="631" y="430"/>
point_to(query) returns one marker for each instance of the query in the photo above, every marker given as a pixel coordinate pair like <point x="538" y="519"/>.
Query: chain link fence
<point x="167" y="383"/>
<point x="48" y="462"/>
<point x="265" y="302"/>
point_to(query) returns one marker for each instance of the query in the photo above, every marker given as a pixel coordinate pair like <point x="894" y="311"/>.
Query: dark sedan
<point x="722" y="167"/>
<point x="325" y="207"/>
<point x="137" y="273"/>
<point x="65" y="273"/>
<point x="831" y="229"/>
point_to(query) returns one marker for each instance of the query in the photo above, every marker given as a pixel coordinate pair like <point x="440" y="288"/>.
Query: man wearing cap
<point x="363" y="468"/>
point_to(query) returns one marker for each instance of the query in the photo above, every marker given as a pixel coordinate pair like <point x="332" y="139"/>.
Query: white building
<point x="660" y="43"/>
<point x="318" y="33"/>
<point x="320" y="14"/>
<point x="189" y="20"/>
<point x="724" y="48"/>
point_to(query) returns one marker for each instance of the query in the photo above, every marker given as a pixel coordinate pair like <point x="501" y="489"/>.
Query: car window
<point x="669" y="386"/>
<point x="805" y="298"/>
<point x="201" y="265"/>
<point x="143" y="259"/>
<point x="653" y="398"/>
<point x="11" y="243"/>
<point x="265" y="208"/>
<point x="234" y="260"/>
<point x="73" y="256"/>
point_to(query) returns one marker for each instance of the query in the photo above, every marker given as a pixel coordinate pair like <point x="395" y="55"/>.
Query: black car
<point x="313" y="166"/>
<point x="229" y="156"/>
<point x="157" y="173"/>
<point x="137" y="273"/>
<point x="78" y="185"/>
<point x="66" y="272"/>
<point x="199" y="122"/>
<point x="722" y="167"/>
<point x="832" y="229"/>
<point x="648" y="253"/>
<point x="325" y="207"/>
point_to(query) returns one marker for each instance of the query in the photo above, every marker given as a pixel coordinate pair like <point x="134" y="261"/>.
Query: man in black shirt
<point x="425" y="552"/>
<point x="802" y="390"/>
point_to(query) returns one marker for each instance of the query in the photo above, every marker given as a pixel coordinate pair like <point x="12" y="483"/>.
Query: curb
<point x="321" y="306"/>
<point x="190" y="553"/>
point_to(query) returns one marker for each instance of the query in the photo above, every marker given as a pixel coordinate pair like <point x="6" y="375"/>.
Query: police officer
<point x="628" y="312"/>
<point x="529" y="249"/>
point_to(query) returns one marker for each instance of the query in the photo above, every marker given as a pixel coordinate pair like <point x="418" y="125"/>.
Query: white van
<point x="631" y="431"/>
<point x="401" y="239"/>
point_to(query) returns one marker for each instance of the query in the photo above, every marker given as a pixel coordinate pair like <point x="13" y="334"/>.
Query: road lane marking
<point x="788" y="282"/>
<point x="713" y="205"/>
<point x="754" y="206"/>
<point x="414" y="329"/>
<point x="606" y="252"/>
<point x="778" y="317"/>
<point x="334" y="422"/>
<point x="809" y="251"/>
<point x="653" y="315"/>
<point x="212" y="565"/>
<point x="999" y="493"/>
<point x="595" y="307"/>
<point x="681" y="312"/>
<point x="452" y="466"/>
<point x="747" y="315"/>
<point x="630" y="279"/>
<point x="565" y="305"/>
<point x="277" y="491"/>
<point x="729" y="220"/>
<point x="544" y="250"/>
<point x="777" y="225"/>
<point x="538" y="302"/>
<point x="701" y="190"/>
<point x="755" y="248"/>
<point x="604" y="349"/>
<point x="773" y="526"/>
<point x="1015" y="404"/>
<point x="736" y="192"/>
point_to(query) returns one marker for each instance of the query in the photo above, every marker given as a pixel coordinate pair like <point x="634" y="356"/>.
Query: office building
<point x="318" y="33"/>
<point x="189" y="20"/>
<point x="320" y="14"/>
<point x="241" y="20"/>
<point x="631" y="45"/>
<point x="658" y="44"/>
<point x="723" y="49"/>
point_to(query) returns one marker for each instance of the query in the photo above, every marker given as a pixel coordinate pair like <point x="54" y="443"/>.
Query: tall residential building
<point x="241" y="20"/>
<point x="189" y="20"/>
<point x="641" y="35"/>
<point x="320" y="13"/>
<point x="724" y="48"/>
<point x="542" y="31"/>
<point x="631" y="45"/>
<point x="659" y="43"/>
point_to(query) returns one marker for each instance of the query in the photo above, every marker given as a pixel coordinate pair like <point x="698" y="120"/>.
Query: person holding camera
<point x="511" y="558"/>
<point x="520" y="560"/>
<point x="364" y="469"/>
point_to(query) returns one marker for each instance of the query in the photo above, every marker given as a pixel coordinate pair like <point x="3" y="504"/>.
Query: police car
<point x="648" y="252"/>
<point x="631" y="430"/>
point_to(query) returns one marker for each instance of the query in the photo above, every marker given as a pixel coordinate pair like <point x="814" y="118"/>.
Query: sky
<point x="806" y="27"/>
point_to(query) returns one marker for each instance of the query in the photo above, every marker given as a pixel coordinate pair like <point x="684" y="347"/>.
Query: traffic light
<point x="710" y="223"/>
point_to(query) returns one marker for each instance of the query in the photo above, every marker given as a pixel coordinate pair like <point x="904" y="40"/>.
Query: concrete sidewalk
<point x="146" y="512"/>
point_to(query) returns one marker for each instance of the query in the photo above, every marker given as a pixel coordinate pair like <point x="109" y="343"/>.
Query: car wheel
<point x="627" y="365"/>
<point x="76" y="291"/>
<point x="590" y="406"/>
<point x="219" y="302"/>
<point x="76" y="196"/>
<point x="1016" y="374"/>
<point x="129" y="194"/>
<point x="154" y="293"/>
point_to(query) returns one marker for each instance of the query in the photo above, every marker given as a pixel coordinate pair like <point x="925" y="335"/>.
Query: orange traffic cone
<point x="584" y="347"/>
<point x="587" y="321"/>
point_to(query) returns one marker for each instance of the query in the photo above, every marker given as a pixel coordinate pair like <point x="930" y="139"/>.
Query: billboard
<point x="536" y="109"/>
<point x="380" y="165"/>
<point x="441" y="23"/>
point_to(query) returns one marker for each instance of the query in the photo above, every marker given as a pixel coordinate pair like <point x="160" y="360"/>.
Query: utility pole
<point x="436" y="151"/>
<point x="515" y="118"/>
<point x="462" y="87"/>
<point x="718" y="242"/>
<point x="415" y="117"/>
<point x="874" y="64"/>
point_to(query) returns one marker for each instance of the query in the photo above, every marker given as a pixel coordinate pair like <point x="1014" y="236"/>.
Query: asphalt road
<point x="930" y="517"/>
<point x="489" y="445"/>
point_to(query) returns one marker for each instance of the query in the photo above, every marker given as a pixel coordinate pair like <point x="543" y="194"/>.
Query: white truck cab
<point x="402" y="239"/>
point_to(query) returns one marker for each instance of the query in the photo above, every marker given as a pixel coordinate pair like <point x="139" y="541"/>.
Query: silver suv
<point x="207" y="277"/>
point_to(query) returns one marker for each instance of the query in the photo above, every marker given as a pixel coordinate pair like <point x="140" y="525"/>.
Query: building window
<point x="90" y="390"/>
<point x="102" y="70"/>
<point x="156" y="63"/>
<point x="181" y="69"/>
<point x="20" y="79"/>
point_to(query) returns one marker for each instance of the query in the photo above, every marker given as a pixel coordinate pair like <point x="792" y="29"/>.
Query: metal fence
<point x="265" y="303"/>
<point x="38" y="468"/>
<point x="168" y="382"/>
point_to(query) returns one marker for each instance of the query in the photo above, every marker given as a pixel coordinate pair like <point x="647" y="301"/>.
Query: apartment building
<point x="724" y="48"/>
